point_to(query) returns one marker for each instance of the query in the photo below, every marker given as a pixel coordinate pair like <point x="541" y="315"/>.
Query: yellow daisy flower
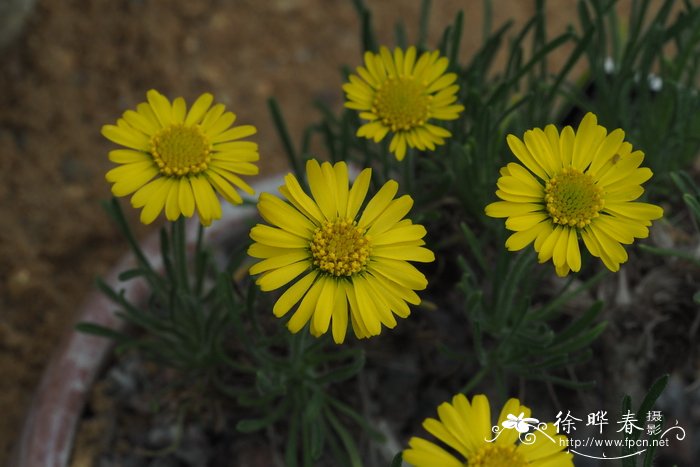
<point x="352" y="261"/>
<point x="176" y="159"/>
<point x="399" y="94"/>
<point x="467" y="429"/>
<point x="574" y="184"/>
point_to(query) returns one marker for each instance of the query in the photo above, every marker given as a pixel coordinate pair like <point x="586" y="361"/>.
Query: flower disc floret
<point x="347" y="261"/>
<point x="573" y="198"/>
<point x="340" y="247"/>
<point x="180" y="150"/>
<point x="402" y="103"/>
<point x="402" y="93"/>
<point x="493" y="455"/>
<point x="571" y="186"/>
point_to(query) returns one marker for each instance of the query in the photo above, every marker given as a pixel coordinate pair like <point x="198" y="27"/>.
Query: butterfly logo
<point x="520" y="423"/>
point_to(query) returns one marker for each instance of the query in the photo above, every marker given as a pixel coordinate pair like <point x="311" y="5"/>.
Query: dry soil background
<point x="79" y="63"/>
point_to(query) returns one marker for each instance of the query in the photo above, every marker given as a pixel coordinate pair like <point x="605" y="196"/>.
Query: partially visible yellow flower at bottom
<point x="466" y="428"/>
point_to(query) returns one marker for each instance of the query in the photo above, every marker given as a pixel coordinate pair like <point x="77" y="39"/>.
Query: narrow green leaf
<point x="357" y="418"/>
<point x="255" y="424"/>
<point x="580" y="324"/>
<point x="474" y="245"/>
<point x="283" y="133"/>
<point x="423" y="25"/>
<point x="345" y="438"/>
<point x="581" y="340"/>
<point x="344" y="372"/>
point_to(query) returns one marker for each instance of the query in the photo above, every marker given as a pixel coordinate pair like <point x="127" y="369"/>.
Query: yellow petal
<point x="324" y="307"/>
<point x="278" y="277"/>
<point x="135" y="179"/>
<point x="513" y="407"/>
<point x="378" y="203"/>
<point x="223" y="187"/>
<point x="292" y="256"/>
<point x="155" y="202"/>
<point x="398" y="145"/>
<point x="589" y="135"/>
<point x="140" y="122"/>
<point x="526" y="221"/>
<point x="400" y="291"/>
<point x="234" y="133"/>
<point x="233" y="179"/>
<point x="405" y="253"/>
<point x="400" y="234"/>
<point x="278" y="213"/>
<point x="394" y="212"/>
<point x="323" y="192"/>
<point x="559" y="254"/>
<point x="131" y="139"/>
<point x="523" y="154"/>
<point x="145" y="193"/>
<point x="640" y="211"/>
<point x="521" y="239"/>
<point x="206" y="202"/>
<point x="340" y="314"/>
<point x="566" y="145"/>
<point x="161" y="107"/>
<point x="358" y="192"/>
<point x="573" y="254"/>
<point x="212" y="117"/>
<point x="277" y="237"/>
<point x="367" y="310"/>
<point x="400" y="272"/>
<point x="394" y="302"/>
<point x="172" y="206"/>
<point x="423" y="453"/>
<point x="607" y="150"/>
<point x="550" y="242"/>
<point x="199" y="108"/>
<point x="259" y="250"/>
<point x="611" y="252"/>
<point x="295" y="194"/>
<point x="358" y="326"/>
<point x="306" y="308"/>
<point x="179" y="110"/>
<point x="293" y="294"/>
<point x="342" y="189"/>
<point x="186" y="198"/>
<point x="538" y="145"/>
<point x="128" y="156"/>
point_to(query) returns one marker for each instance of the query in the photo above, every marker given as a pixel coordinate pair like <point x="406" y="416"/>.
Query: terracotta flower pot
<point x="50" y="426"/>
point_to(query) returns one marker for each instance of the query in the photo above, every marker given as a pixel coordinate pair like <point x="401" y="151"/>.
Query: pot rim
<point x="49" y="429"/>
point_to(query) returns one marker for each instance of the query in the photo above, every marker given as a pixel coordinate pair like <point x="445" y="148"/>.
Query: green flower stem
<point x="179" y="248"/>
<point x="201" y="260"/>
<point x="154" y="280"/>
<point x="409" y="171"/>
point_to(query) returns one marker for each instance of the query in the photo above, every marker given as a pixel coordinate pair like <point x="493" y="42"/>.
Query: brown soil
<point x="79" y="64"/>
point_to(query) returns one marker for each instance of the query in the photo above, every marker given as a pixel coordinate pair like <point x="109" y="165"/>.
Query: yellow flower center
<point x="573" y="198"/>
<point x="340" y="247"/>
<point x="181" y="150"/>
<point x="493" y="455"/>
<point x="401" y="103"/>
